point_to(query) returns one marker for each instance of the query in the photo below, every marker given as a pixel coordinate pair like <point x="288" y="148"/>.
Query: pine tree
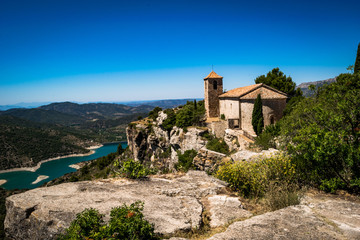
<point x="257" y="116"/>
<point x="357" y="61"/>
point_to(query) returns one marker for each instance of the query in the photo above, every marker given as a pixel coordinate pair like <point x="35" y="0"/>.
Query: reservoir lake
<point x="53" y="169"/>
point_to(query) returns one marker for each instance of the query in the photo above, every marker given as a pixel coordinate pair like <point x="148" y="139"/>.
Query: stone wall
<point x="230" y="108"/>
<point x="218" y="128"/>
<point x="272" y="108"/>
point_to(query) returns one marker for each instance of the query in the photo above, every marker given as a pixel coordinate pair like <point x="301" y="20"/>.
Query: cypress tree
<point x="357" y="61"/>
<point x="257" y="116"/>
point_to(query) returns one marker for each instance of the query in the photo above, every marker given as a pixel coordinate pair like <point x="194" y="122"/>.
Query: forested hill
<point x="24" y="143"/>
<point x="44" y="116"/>
<point x="96" y="110"/>
<point x="305" y="86"/>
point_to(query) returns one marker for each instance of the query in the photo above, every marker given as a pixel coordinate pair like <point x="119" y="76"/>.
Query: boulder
<point x="332" y="219"/>
<point x="224" y="209"/>
<point x="172" y="205"/>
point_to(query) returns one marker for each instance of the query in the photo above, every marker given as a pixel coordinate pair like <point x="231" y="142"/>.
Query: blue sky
<point x="107" y="50"/>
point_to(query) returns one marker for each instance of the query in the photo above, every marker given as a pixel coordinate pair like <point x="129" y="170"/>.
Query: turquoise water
<point x="53" y="169"/>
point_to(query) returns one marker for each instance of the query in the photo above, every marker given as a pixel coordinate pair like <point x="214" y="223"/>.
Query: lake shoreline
<point x="33" y="169"/>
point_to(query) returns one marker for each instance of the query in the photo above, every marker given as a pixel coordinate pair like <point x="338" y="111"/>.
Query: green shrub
<point x="189" y="115"/>
<point x="222" y="116"/>
<point x="166" y="153"/>
<point x="252" y="178"/>
<point x="218" y="145"/>
<point x="185" y="162"/>
<point x="323" y="135"/>
<point x="265" y="141"/>
<point x="331" y="185"/>
<point x="126" y="222"/>
<point x="282" y="195"/>
<point x="257" y="116"/>
<point x="170" y="121"/>
<point x="88" y="224"/>
<point x="134" y="170"/>
<point x="153" y="114"/>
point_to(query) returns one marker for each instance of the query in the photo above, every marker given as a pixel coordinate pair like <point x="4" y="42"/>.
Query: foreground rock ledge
<point x="172" y="205"/>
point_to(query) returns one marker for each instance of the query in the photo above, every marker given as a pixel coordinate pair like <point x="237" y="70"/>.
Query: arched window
<point x="215" y="85"/>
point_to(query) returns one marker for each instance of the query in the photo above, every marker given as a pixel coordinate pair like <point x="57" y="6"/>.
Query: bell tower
<point x="213" y="87"/>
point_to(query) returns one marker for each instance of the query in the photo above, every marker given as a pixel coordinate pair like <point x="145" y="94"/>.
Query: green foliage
<point x="331" y="185"/>
<point x="257" y="120"/>
<point x="266" y="139"/>
<point x="170" y="121"/>
<point x="357" y="61"/>
<point x="323" y="134"/>
<point x="188" y="115"/>
<point x="278" y="80"/>
<point x="126" y="222"/>
<point x="185" y="162"/>
<point x="24" y="140"/>
<point x="134" y="170"/>
<point x="291" y="104"/>
<point x="86" y="225"/>
<point x="222" y="116"/>
<point x="217" y="145"/>
<point x="153" y="114"/>
<point x="252" y="179"/>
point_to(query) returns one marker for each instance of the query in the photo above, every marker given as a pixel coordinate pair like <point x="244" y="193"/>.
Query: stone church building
<point x="236" y="106"/>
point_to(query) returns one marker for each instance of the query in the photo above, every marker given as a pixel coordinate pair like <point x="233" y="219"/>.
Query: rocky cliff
<point x="149" y="142"/>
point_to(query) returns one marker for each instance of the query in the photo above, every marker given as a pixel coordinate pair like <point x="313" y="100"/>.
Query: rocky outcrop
<point x="172" y="204"/>
<point x="250" y="155"/>
<point x="332" y="219"/>
<point x="150" y="142"/>
<point x="209" y="161"/>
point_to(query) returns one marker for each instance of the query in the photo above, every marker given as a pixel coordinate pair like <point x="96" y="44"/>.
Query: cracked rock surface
<point x="170" y="204"/>
<point x="330" y="219"/>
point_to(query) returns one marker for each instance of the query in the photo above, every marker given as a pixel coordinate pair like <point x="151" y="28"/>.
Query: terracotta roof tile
<point x="238" y="92"/>
<point x="213" y="75"/>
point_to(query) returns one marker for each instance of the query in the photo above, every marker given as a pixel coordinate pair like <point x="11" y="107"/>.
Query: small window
<point x="215" y="85"/>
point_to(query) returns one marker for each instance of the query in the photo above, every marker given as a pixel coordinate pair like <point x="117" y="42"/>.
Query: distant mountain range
<point x="165" y="103"/>
<point x="305" y="86"/>
<point x="28" y="136"/>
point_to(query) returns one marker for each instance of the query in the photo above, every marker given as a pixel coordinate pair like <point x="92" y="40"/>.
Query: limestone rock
<point x="192" y="139"/>
<point x="345" y="215"/>
<point x="170" y="204"/>
<point x="249" y="155"/>
<point x="223" y="209"/>
<point x="207" y="160"/>
<point x="161" y="117"/>
<point x="332" y="219"/>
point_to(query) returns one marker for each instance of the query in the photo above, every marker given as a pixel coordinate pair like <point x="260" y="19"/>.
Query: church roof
<point x="213" y="75"/>
<point x="251" y="92"/>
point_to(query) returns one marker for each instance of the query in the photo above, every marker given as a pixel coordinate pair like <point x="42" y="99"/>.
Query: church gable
<point x="251" y="92"/>
<point x="266" y="92"/>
